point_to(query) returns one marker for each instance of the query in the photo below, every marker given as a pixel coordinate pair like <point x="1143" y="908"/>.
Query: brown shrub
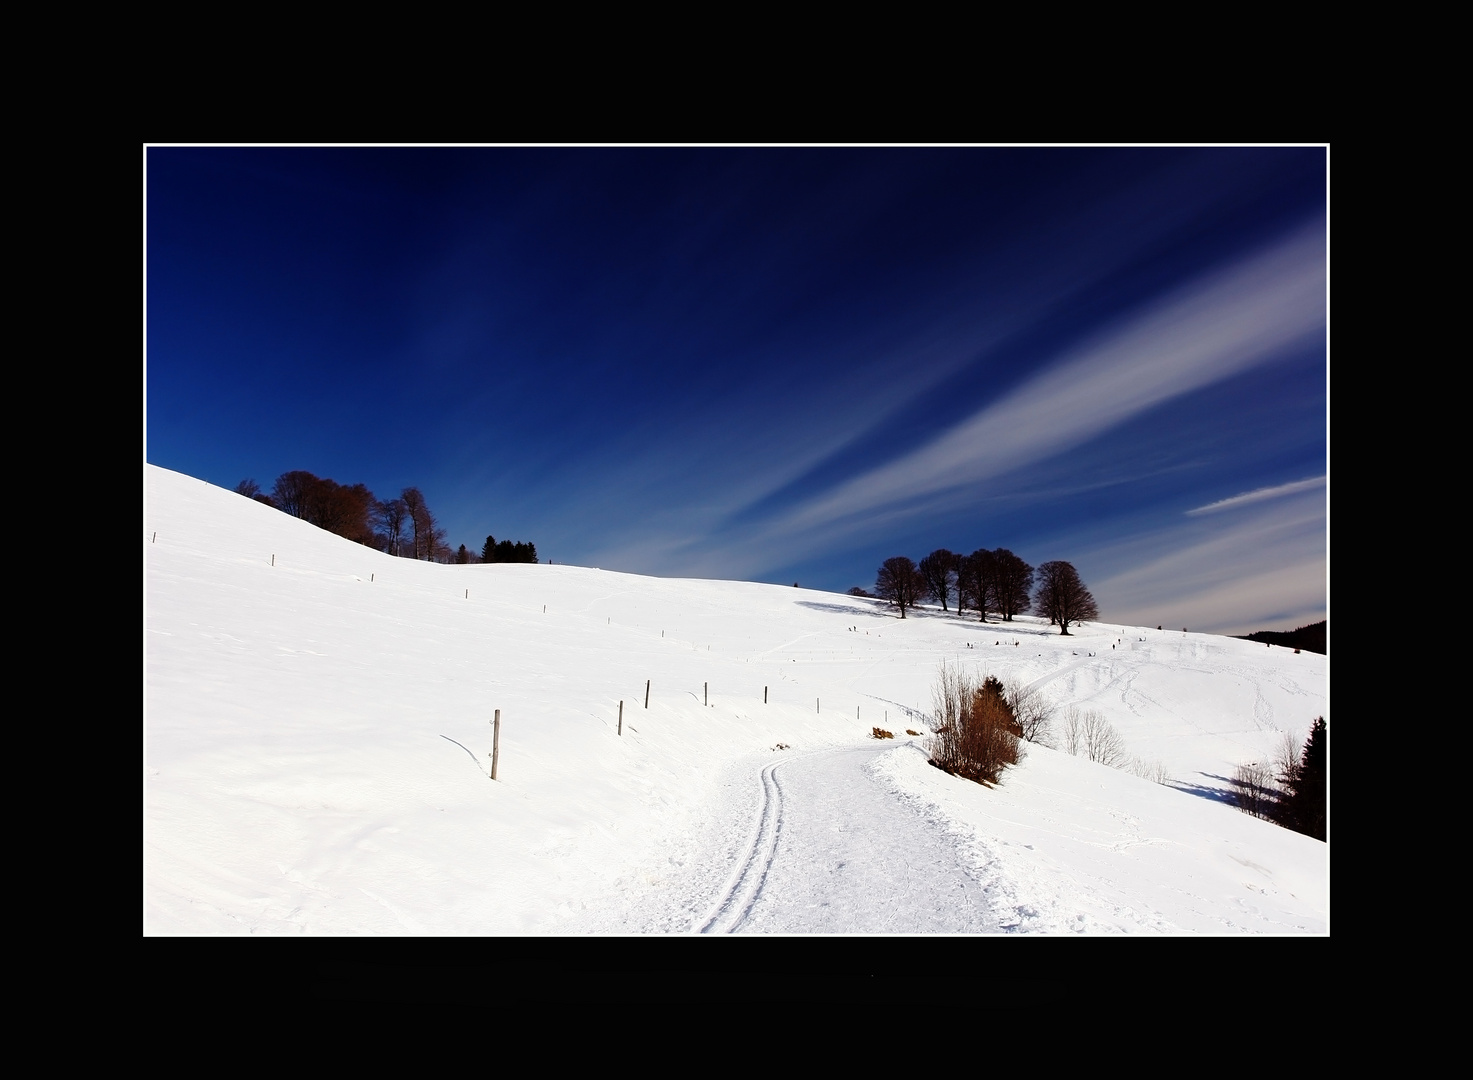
<point x="881" y="733"/>
<point x="976" y="735"/>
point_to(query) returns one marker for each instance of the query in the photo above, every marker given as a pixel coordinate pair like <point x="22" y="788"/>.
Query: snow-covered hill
<point x="318" y="734"/>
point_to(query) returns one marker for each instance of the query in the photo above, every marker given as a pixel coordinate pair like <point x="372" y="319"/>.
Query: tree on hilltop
<point x="977" y="582"/>
<point x="390" y="515"/>
<point x="1062" y="596"/>
<point x="504" y="551"/>
<point x="427" y="537"/>
<point x="900" y="582"/>
<point x="1013" y="580"/>
<point x="939" y="570"/>
<point x="293" y="493"/>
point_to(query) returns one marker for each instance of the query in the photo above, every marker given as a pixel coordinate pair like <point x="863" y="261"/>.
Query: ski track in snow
<point x="732" y="908"/>
<point x="835" y="850"/>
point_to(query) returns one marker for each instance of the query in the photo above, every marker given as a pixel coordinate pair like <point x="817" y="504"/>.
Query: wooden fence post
<point x="621" y="718"/>
<point x="705" y="693"/>
<point x="646" y="693"/>
<point x="495" y="743"/>
<point x="764" y="695"/>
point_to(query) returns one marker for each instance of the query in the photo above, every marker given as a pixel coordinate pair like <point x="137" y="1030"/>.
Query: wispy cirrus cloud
<point x="1206" y="332"/>
<point x="1263" y="569"/>
<point x="1259" y="495"/>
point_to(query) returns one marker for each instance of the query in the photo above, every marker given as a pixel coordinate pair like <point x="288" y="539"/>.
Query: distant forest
<point x="1312" y="638"/>
<point x="404" y="526"/>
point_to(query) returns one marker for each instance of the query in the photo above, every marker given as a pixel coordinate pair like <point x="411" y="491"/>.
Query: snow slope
<point x="317" y="738"/>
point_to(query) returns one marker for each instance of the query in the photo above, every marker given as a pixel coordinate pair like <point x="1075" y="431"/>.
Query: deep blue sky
<point x="774" y="364"/>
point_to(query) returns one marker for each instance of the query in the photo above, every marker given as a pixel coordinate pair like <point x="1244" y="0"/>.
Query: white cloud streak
<point x="1205" y="333"/>
<point x="1258" y="495"/>
<point x="1224" y="575"/>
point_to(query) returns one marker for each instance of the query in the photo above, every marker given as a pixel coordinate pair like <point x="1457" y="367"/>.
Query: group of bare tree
<point x="996" y="581"/>
<point x="403" y="526"/>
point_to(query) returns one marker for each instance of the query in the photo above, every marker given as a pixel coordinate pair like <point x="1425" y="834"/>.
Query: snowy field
<point x="317" y="740"/>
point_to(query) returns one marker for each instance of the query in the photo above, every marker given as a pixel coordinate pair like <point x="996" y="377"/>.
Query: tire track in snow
<point x="730" y="910"/>
<point x="835" y="849"/>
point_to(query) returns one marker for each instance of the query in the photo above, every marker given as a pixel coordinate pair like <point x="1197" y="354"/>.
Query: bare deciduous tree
<point x="1255" y="791"/>
<point x="293" y="492"/>
<point x="900" y="582"/>
<point x="390" y="516"/>
<point x="1014" y="583"/>
<point x="1089" y="735"/>
<point x="939" y="570"/>
<point x="977" y="586"/>
<point x="426" y="537"/>
<point x="1032" y="711"/>
<point x="1062" y="596"/>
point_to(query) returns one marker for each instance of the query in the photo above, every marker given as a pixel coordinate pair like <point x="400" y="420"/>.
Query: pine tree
<point x="1305" y="807"/>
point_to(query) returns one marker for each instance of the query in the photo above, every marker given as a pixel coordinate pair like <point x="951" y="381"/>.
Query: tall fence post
<point x="646" y="693"/>
<point x="621" y="718"/>
<point x="495" y="743"/>
<point x="705" y="693"/>
<point x="764" y="695"/>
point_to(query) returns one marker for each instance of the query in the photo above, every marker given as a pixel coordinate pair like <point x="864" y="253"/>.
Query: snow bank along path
<point x="317" y="739"/>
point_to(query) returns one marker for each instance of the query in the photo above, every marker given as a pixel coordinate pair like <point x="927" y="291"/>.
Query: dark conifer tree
<point x="1305" y="807"/>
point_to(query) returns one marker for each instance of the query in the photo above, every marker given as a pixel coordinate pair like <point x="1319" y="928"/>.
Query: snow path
<point x="837" y="851"/>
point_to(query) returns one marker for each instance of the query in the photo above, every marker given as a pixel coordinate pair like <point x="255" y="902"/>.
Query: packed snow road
<point x="837" y="852"/>
<point x="808" y="843"/>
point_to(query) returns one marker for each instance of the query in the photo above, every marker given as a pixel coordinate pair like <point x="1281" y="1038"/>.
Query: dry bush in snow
<point x="1089" y="735"/>
<point x="1256" y="794"/>
<point x="1154" y="771"/>
<point x="1032" y="711"/>
<point x="975" y="733"/>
